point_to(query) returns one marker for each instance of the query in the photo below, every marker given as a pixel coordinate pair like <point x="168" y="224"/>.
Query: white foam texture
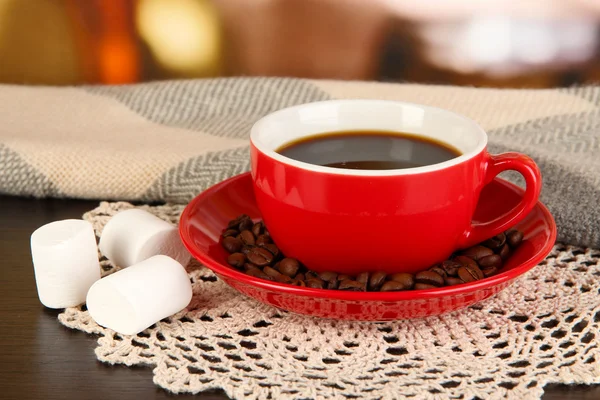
<point x="134" y="298"/>
<point x="135" y="235"/>
<point x="65" y="261"/>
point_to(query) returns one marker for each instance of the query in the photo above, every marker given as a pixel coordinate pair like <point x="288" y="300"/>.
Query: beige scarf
<point x="167" y="141"/>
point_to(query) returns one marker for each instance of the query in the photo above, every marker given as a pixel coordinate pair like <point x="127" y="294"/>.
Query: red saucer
<point x="205" y="216"/>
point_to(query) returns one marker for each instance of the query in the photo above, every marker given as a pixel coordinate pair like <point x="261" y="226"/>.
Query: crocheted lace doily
<point x="543" y="329"/>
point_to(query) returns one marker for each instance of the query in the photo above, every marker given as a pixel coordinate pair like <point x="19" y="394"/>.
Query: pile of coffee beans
<point x="251" y="250"/>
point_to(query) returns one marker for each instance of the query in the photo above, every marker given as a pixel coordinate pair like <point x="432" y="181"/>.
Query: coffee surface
<point x="369" y="150"/>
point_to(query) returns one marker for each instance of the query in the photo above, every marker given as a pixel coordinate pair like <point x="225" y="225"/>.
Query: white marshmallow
<point x="65" y="260"/>
<point x="134" y="235"/>
<point x="134" y="298"/>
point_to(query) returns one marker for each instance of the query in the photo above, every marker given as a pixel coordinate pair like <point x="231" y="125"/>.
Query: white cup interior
<point x="290" y="124"/>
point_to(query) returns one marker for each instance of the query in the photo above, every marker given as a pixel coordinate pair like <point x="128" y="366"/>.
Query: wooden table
<point x="41" y="359"/>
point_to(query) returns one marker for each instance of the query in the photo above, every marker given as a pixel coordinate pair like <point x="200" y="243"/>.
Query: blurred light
<point x="117" y="51"/>
<point x="37" y="44"/>
<point x="504" y="46"/>
<point x="579" y="41"/>
<point x="535" y="43"/>
<point x="487" y="40"/>
<point x="117" y="63"/>
<point x="446" y="10"/>
<point x="183" y="35"/>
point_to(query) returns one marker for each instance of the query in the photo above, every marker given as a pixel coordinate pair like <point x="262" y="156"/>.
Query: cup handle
<point x="496" y="164"/>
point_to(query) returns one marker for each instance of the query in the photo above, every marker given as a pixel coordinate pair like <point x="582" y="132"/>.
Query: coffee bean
<point x="328" y="276"/>
<point x="289" y="266"/>
<point x="470" y="274"/>
<point x="490" y="261"/>
<point x="262" y="240"/>
<point x="257" y="273"/>
<point x="351" y="286"/>
<point x="251" y="248"/>
<point x="478" y="273"/>
<point x="496" y="242"/>
<point x="406" y="279"/>
<point x="438" y="270"/>
<point x="235" y="222"/>
<point x="393" y="286"/>
<point x="246" y="224"/>
<point x="236" y="260"/>
<point x="514" y="238"/>
<point x="451" y="267"/>
<point x="248" y="266"/>
<point x="246" y="249"/>
<point x="363" y="278"/>
<point x="230" y="232"/>
<point x="272" y="272"/>
<point x="283" y="279"/>
<point x="504" y="252"/>
<point x="272" y="249"/>
<point x="247" y="238"/>
<point x="489" y="271"/>
<point x="376" y="280"/>
<point x="430" y="278"/>
<point x="242" y="222"/>
<point x="332" y="284"/>
<point x="421" y="286"/>
<point x="311" y="275"/>
<point x="258" y="228"/>
<point x="260" y="256"/>
<point x="477" y="252"/>
<point x="465" y="261"/>
<point x="232" y="244"/>
<point x="315" y="283"/>
<point x="451" y="281"/>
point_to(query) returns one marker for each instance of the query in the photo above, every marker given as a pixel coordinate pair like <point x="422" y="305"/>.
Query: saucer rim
<point x="446" y="291"/>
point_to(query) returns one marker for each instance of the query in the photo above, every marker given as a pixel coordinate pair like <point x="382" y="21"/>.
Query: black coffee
<point x="369" y="150"/>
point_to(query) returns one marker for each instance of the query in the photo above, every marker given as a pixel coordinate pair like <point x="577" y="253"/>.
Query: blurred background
<point x="493" y="43"/>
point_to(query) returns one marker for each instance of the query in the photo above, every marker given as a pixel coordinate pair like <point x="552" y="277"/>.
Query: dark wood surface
<point x="41" y="359"/>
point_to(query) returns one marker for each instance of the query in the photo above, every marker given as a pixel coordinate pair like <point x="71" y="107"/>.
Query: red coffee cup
<point x="404" y="220"/>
